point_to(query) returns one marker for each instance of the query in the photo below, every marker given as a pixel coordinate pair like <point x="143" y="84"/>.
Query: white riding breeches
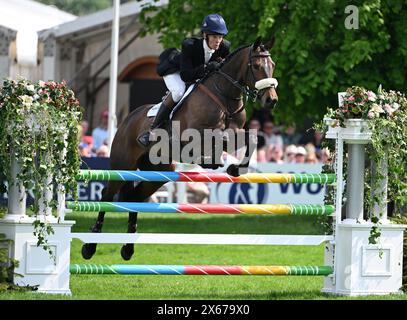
<point x="176" y="86"/>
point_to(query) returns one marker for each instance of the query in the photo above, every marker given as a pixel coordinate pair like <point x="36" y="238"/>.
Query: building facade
<point x="77" y="50"/>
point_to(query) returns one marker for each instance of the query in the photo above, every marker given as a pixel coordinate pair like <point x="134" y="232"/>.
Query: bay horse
<point x="217" y="102"/>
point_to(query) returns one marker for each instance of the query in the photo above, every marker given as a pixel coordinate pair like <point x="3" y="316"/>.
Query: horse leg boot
<point x="89" y="249"/>
<point x="128" y="249"/>
<point x="161" y="117"/>
<point x="243" y="167"/>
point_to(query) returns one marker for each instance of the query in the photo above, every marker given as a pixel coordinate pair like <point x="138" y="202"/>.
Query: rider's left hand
<point x="213" y="65"/>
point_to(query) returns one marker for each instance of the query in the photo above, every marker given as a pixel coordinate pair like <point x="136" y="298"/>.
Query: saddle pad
<point x="152" y="112"/>
<point x="186" y="94"/>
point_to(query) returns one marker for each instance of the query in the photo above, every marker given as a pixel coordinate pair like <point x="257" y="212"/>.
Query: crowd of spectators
<point x="275" y="144"/>
<point x="94" y="144"/>
<point x="286" y="145"/>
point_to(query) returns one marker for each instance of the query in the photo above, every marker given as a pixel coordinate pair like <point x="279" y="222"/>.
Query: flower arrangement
<point x="38" y="124"/>
<point x="359" y="103"/>
<point x="385" y="115"/>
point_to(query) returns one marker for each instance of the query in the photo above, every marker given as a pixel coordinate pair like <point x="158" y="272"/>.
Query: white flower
<point x="395" y="106"/>
<point x="36" y="97"/>
<point x="377" y="108"/>
<point x="30" y="87"/>
<point x="41" y="83"/>
<point x="26" y="100"/>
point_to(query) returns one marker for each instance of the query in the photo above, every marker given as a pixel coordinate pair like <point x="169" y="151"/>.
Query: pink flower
<point x="371" y="96"/>
<point x="370" y="114"/>
<point x="351" y="99"/>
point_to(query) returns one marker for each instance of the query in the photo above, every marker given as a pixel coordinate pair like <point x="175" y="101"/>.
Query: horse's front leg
<point x="250" y="142"/>
<point x="89" y="249"/>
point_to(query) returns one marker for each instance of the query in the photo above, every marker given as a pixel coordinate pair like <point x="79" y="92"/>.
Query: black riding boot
<point x="161" y="117"/>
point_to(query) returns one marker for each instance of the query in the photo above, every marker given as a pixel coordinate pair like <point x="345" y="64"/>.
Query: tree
<point x="316" y="55"/>
<point x="79" y="7"/>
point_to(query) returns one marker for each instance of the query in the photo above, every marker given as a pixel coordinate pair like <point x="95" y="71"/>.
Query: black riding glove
<point x="213" y="66"/>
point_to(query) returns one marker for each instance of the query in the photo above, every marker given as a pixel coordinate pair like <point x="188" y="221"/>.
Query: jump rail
<point x="165" y="176"/>
<point x="191" y="208"/>
<point x="200" y="270"/>
<point x="205" y="239"/>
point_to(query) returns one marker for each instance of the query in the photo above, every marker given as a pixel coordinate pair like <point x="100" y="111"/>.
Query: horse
<point x="218" y="102"/>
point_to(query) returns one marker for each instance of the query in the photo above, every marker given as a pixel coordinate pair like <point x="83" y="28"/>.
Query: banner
<point x="245" y="193"/>
<point x="271" y="193"/>
<point x="86" y="192"/>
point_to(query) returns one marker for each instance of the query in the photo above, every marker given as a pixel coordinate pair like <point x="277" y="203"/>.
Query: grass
<point x="125" y="287"/>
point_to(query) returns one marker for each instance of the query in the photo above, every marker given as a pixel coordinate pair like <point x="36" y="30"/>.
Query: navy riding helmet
<point x="214" y="24"/>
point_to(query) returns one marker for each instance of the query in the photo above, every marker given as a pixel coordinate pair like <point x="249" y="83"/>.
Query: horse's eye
<point x="256" y="66"/>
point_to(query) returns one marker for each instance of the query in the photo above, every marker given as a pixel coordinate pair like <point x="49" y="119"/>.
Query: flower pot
<point x="356" y="131"/>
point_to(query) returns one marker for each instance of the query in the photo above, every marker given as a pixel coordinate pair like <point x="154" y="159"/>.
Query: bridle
<point x="259" y="85"/>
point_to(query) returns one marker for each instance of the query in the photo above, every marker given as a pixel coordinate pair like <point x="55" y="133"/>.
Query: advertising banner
<point x="271" y="193"/>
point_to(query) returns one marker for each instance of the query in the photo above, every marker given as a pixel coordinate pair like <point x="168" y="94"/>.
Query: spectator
<point x="300" y="155"/>
<point x="88" y="140"/>
<point x="261" y="154"/>
<point x="103" y="151"/>
<point x="84" y="150"/>
<point x="310" y="148"/>
<point x="272" y="138"/>
<point x="275" y="154"/>
<point x="325" y="156"/>
<point x="100" y="133"/>
<point x="85" y="127"/>
<point x="290" y="136"/>
<point x="198" y="192"/>
<point x="255" y="124"/>
<point x="311" y="158"/>
<point x="290" y="152"/>
<point x="261" y="142"/>
<point x="317" y="140"/>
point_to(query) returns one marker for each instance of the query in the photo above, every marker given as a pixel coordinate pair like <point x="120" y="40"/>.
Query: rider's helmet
<point x="214" y="24"/>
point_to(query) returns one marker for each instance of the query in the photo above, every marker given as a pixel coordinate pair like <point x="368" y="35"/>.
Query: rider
<point x="198" y="57"/>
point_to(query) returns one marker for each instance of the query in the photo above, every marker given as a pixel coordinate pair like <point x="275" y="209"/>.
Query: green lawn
<point x="199" y="287"/>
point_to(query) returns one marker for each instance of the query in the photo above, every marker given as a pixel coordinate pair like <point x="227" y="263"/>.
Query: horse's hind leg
<point x="89" y="249"/>
<point x="140" y="193"/>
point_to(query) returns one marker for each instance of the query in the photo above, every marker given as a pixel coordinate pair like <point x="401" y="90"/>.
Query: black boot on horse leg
<point x="236" y="170"/>
<point x="161" y="118"/>
<point x="89" y="249"/>
<point x="128" y="249"/>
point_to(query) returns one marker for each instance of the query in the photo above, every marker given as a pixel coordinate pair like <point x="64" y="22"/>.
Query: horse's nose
<point x="271" y="102"/>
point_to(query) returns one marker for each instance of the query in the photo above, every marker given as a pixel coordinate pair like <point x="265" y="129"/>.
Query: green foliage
<point x="315" y="55"/>
<point x="7" y="266"/>
<point x="79" y="7"/>
<point x="385" y="113"/>
<point x="39" y="127"/>
<point x="402" y="219"/>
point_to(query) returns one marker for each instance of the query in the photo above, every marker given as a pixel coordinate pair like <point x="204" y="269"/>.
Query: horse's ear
<point x="256" y="43"/>
<point x="270" y="44"/>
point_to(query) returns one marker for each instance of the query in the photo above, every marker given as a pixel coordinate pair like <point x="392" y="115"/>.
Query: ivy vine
<point x="385" y="113"/>
<point x="39" y="125"/>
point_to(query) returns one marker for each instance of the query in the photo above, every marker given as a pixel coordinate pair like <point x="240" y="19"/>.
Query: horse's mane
<point x="232" y="54"/>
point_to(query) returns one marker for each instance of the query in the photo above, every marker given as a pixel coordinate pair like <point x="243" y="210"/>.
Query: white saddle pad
<point x="154" y="109"/>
